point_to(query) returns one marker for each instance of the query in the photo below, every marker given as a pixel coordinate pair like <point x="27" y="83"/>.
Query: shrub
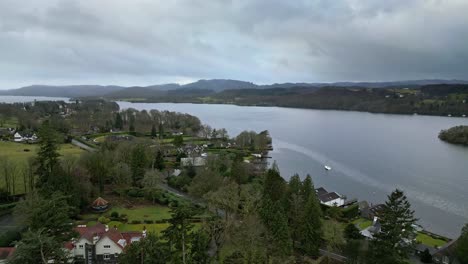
<point x="135" y="192"/>
<point x="103" y="220"/>
<point x="115" y="214"/>
<point x="148" y="221"/>
<point x="136" y="222"/>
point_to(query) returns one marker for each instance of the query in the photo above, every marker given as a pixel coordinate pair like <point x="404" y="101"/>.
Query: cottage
<point x="372" y="211"/>
<point x="195" y="161"/>
<point x="18" y="137"/>
<point x="330" y="199"/>
<point x="100" y="205"/>
<point x="100" y="243"/>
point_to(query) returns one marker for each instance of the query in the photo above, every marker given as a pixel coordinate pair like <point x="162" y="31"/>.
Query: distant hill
<point x="214" y="85"/>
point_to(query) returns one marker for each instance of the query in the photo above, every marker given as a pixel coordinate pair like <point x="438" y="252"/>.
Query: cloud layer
<point x="143" y="42"/>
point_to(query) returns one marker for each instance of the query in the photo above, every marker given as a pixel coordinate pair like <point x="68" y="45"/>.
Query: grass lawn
<point x="16" y="153"/>
<point x="10" y="122"/>
<point x="429" y="241"/>
<point x="362" y="223"/>
<point x="141" y="213"/>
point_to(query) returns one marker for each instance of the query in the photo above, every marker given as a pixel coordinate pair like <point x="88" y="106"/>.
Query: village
<point x="119" y="215"/>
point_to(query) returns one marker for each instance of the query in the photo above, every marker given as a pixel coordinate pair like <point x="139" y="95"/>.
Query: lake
<point x="25" y="99"/>
<point x="370" y="154"/>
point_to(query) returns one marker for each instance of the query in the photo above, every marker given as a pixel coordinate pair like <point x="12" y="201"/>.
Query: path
<point x="83" y="146"/>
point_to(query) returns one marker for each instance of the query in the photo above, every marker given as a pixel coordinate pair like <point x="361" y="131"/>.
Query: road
<point x="332" y="255"/>
<point x="83" y="146"/>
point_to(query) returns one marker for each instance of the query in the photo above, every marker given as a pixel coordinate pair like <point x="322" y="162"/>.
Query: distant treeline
<point x="440" y="99"/>
<point x="455" y="135"/>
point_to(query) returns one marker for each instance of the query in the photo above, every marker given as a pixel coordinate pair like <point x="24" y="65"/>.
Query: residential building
<point x="446" y="254"/>
<point x="329" y="198"/>
<point x="101" y="244"/>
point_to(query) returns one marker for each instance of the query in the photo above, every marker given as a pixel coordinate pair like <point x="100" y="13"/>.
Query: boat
<point x="327" y="167"/>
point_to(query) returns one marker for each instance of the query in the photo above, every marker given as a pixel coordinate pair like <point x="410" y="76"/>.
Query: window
<point x="80" y="246"/>
<point x="106" y="256"/>
<point x="106" y="246"/>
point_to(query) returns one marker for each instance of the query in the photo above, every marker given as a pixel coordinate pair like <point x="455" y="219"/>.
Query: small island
<point x="455" y="135"/>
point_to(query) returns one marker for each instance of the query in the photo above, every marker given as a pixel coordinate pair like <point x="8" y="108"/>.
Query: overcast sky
<point x="143" y="42"/>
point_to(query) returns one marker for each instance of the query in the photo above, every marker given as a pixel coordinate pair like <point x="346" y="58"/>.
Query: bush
<point x="115" y="214"/>
<point x="7" y="238"/>
<point x="148" y="221"/>
<point x="135" y="192"/>
<point x="103" y="220"/>
<point x="136" y="222"/>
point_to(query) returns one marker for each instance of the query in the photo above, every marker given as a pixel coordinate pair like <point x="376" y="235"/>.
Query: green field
<point x="429" y="241"/>
<point x="362" y="223"/>
<point x="144" y="213"/>
<point x="19" y="153"/>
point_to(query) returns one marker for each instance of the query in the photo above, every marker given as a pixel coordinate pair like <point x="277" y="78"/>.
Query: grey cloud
<point x="142" y="41"/>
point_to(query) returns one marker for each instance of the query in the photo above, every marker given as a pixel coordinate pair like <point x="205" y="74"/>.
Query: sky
<point x="144" y="42"/>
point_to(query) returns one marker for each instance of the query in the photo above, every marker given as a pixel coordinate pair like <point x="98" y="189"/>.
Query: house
<point x="101" y="244"/>
<point x="6" y="253"/>
<point x="370" y="231"/>
<point x="446" y="254"/>
<point x="100" y="205"/>
<point x="329" y="198"/>
<point x="195" y="161"/>
<point x="372" y="211"/>
<point x="176" y="172"/>
<point x="18" y="137"/>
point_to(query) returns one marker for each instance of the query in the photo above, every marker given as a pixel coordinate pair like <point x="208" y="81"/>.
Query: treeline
<point x="455" y="135"/>
<point x="438" y="99"/>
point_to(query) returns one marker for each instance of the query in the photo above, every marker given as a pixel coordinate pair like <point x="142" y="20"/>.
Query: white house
<point x="18" y="137"/>
<point x="101" y="243"/>
<point x="195" y="161"/>
<point x="330" y="198"/>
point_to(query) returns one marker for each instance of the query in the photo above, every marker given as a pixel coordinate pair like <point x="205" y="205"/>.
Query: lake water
<point x="370" y="154"/>
<point x="25" y="99"/>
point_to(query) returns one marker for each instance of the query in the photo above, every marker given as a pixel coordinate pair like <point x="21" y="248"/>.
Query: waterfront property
<point x="329" y="198"/>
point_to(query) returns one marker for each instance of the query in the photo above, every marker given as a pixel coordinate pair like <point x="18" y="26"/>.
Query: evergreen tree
<point x="307" y="188"/>
<point x="311" y="236"/>
<point x="199" y="248"/>
<point x="295" y="204"/>
<point x="462" y="246"/>
<point x="153" y="131"/>
<point x="161" y="131"/>
<point x="47" y="157"/>
<point x="393" y="243"/>
<point x="138" y="163"/>
<point x="273" y="214"/>
<point x="352" y="232"/>
<point x="118" y="121"/>
<point x="131" y="126"/>
<point x="178" y="234"/>
<point x="178" y="141"/>
<point x="426" y="256"/>
<point x="159" y="161"/>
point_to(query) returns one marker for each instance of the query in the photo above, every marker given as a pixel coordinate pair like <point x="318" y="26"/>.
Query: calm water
<point x="25" y="99"/>
<point x="371" y="154"/>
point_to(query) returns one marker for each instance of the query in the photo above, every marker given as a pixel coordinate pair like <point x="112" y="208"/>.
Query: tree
<point x="311" y="235"/>
<point x="159" y="161"/>
<point x="131" y="125"/>
<point x="151" y="183"/>
<point x="161" y="130"/>
<point x="47" y="156"/>
<point x="178" y="234"/>
<point x="352" y="232"/>
<point x="333" y="234"/>
<point x="178" y="141"/>
<point x="426" y="256"/>
<point x="393" y="243"/>
<point x="52" y="214"/>
<point x="199" y="247"/>
<point x="118" y="121"/>
<point x="149" y="250"/>
<point x="38" y="247"/>
<point x="153" y="131"/>
<point x="138" y="163"/>
<point x="462" y="246"/>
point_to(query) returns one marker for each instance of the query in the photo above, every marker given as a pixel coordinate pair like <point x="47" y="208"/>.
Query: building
<point x="195" y="161"/>
<point x="372" y="211"/>
<point x="18" y="137"/>
<point x="446" y="254"/>
<point x="101" y="244"/>
<point x="100" y="205"/>
<point x="329" y="198"/>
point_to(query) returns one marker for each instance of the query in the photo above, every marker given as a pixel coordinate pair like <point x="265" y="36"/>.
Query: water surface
<point x="370" y="154"/>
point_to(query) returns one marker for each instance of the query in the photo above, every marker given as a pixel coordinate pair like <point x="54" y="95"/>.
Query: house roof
<point x="321" y="191"/>
<point x="100" y="202"/>
<point x="329" y="197"/>
<point x="447" y="250"/>
<point x="377" y="208"/>
<point x="6" y="252"/>
<point x="113" y="234"/>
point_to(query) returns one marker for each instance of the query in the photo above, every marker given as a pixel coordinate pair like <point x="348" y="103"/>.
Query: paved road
<point x="332" y="255"/>
<point x="83" y="146"/>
